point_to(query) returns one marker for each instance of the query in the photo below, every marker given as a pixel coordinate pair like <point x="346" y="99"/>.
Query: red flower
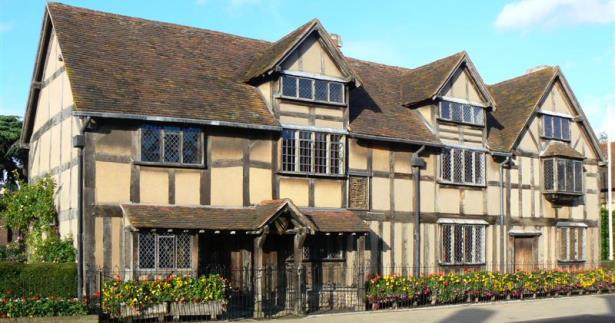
<point x="97" y="294"/>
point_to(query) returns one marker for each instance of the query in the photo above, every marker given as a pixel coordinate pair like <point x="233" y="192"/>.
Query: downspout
<point x="417" y="163"/>
<point x="501" y="218"/>
<point x="79" y="143"/>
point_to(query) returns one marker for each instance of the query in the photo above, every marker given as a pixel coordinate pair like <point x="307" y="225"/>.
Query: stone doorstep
<point x="52" y="319"/>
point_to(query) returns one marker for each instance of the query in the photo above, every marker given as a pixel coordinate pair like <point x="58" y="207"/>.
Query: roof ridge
<point x="463" y="53"/>
<point x="146" y="20"/>
<point x="358" y="60"/>
<point x="532" y="73"/>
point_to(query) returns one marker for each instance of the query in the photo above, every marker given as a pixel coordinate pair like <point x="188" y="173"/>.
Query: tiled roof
<point x="119" y="64"/>
<point x="561" y="149"/>
<point x="516" y="100"/>
<point x="145" y="216"/>
<point x="423" y="83"/>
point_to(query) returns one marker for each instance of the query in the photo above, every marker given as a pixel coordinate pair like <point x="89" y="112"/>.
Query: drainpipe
<point x="501" y="219"/>
<point x="79" y="143"/>
<point x="417" y="163"/>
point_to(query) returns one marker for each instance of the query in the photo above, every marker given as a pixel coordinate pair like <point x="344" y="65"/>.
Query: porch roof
<point x="147" y="216"/>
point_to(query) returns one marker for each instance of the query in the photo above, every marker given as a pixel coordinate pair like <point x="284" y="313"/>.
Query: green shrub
<point x="604" y="233"/>
<point x="38" y="279"/>
<point x="53" y="249"/>
<point x="36" y="307"/>
<point x="14" y="251"/>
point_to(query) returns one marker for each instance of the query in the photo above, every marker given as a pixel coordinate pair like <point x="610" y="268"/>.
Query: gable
<point x="462" y="86"/>
<point x="312" y="57"/>
<point x="556" y="101"/>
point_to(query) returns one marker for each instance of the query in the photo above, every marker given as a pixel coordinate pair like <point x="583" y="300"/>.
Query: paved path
<point x="577" y="309"/>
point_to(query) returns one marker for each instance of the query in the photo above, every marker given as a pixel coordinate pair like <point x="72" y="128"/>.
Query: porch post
<point x="360" y="273"/>
<point x="298" y="264"/>
<point x="258" y="273"/>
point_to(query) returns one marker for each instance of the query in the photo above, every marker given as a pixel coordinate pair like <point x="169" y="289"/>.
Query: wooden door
<point x="525" y="250"/>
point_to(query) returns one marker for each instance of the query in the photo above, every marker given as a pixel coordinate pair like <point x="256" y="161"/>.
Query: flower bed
<point x="36" y="306"/>
<point x="172" y="295"/>
<point x="454" y="288"/>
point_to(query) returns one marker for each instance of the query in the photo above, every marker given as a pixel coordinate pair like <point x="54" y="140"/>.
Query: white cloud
<point x="597" y="111"/>
<point x="522" y="14"/>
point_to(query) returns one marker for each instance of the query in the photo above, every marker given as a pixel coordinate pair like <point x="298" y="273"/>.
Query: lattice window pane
<point x="305" y="151"/>
<point x="336" y="154"/>
<point x="578" y="176"/>
<point x="445" y="160"/>
<point x="468" y="114"/>
<point x="147" y="250"/>
<point x="288" y="150"/>
<point x="547" y="124"/>
<point x="563" y="252"/>
<point x="166" y="252"/>
<point x="561" y="174"/>
<point x="572" y="244"/>
<point x="565" y="129"/>
<point x="569" y="176"/>
<point x="468" y="244"/>
<point x="150" y="144"/>
<point x="445" y="110"/>
<point x="458" y="249"/>
<point x="457" y="112"/>
<point x="447" y="243"/>
<point x="457" y="165"/>
<point x="306" y="91"/>
<point x="184" y="257"/>
<point x="336" y="92"/>
<point x="548" y="169"/>
<point x="190" y="148"/>
<point x="479" y="168"/>
<point x="479" y="115"/>
<point x="557" y="128"/>
<point x="479" y="244"/>
<point x="582" y="243"/>
<point x="289" y="86"/>
<point x="321" y="90"/>
<point x="468" y="166"/>
<point x="172" y="137"/>
<point x="320" y="152"/>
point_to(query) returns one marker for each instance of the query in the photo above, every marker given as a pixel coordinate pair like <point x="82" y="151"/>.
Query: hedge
<point x="41" y="307"/>
<point x="38" y="280"/>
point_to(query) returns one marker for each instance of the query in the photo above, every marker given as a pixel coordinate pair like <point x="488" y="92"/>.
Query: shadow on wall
<point x="474" y="315"/>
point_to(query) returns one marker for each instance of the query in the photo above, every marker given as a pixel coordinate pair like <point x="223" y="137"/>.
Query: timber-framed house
<point x="182" y="149"/>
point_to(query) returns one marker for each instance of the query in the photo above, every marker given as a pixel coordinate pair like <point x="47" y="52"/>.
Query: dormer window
<point x="462" y="113"/>
<point x="556" y="127"/>
<point x="311" y="89"/>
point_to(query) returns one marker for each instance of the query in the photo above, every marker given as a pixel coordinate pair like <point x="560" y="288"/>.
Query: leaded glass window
<point x="463" y="113"/>
<point x="166" y="251"/>
<point x="572" y="243"/>
<point x="462" y="166"/>
<point x="462" y="244"/>
<point x="312" y="89"/>
<point x="312" y="152"/>
<point x="171" y="145"/>
<point x="563" y="175"/>
<point x="556" y="127"/>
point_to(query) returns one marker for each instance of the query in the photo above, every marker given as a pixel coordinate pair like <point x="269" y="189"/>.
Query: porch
<point x="277" y="259"/>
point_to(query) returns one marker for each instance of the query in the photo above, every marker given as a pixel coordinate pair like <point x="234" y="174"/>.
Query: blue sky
<point x="503" y="38"/>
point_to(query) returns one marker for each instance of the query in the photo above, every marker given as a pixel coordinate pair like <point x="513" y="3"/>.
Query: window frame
<point x="478" y="248"/>
<point x="565" y="232"/>
<point x="313" y="98"/>
<point x="555" y="172"/>
<point x="162" y="129"/>
<point x="452" y="105"/>
<point x="553" y="118"/>
<point x="463" y="152"/>
<point x="295" y="167"/>
<point x="157" y="237"/>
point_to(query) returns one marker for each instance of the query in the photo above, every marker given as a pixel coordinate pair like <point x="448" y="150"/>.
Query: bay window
<point x="562" y="175"/>
<point x="312" y="152"/>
